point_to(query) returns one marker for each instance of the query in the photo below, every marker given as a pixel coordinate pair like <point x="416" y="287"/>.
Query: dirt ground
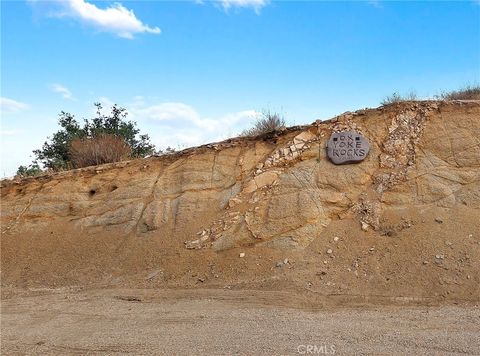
<point x="220" y="322"/>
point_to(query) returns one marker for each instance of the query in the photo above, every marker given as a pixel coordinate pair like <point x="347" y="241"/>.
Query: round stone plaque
<point x="347" y="147"/>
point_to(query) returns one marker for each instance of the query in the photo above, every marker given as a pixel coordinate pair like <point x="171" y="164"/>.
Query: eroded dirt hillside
<point x="401" y="225"/>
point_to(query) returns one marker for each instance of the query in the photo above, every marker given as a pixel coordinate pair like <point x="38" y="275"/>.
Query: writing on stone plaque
<point x="347" y="147"/>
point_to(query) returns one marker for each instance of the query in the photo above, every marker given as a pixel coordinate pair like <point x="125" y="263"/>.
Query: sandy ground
<point x="221" y="322"/>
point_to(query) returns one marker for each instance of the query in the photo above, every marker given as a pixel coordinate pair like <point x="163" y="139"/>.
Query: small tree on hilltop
<point x="56" y="154"/>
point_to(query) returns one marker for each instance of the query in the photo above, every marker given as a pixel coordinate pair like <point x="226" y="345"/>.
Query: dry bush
<point x="397" y="98"/>
<point x="269" y="122"/>
<point x="98" y="150"/>
<point x="469" y="92"/>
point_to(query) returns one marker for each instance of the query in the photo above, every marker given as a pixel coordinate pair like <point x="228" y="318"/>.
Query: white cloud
<point x="169" y="112"/>
<point x="255" y="4"/>
<point x="180" y="125"/>
<point x="180" y="113"/>
<point x="10" y="106"/>
<point x="376" y="3"/>
<point x="63" y="91"/>
<point x="115" y="19"/>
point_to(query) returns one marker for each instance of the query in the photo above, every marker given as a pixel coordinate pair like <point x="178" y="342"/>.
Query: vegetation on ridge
<point x="103" y="139"/>
<point x="397" y="98"/>
<point x="268" y="122"/>
<point x="469" y="92"/>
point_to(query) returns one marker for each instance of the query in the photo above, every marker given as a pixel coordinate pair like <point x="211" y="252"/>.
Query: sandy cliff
<point x="402" y="224"/>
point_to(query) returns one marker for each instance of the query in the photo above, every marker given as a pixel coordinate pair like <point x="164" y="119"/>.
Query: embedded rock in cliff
<point x="278" y="192"/>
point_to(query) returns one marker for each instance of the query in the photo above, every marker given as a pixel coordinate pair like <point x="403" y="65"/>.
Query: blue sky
<point x="191" y="72"/>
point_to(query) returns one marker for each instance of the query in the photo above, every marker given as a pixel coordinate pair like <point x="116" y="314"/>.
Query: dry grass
<point x="98" y="150"/>
<point x="269" y="122"/>
<point x="397" y="98"/>
<point x="469" y="92"/>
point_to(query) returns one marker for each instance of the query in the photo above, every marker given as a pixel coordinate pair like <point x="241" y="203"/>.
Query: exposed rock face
<point x="260" y="191"/>
<point x="278" y="192"/>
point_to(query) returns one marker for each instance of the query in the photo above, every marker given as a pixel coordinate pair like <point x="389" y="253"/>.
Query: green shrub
<point x="55" y="154"/>
<point x="29" y="171"/>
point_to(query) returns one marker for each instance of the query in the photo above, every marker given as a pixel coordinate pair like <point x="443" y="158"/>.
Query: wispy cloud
<point x="10" y="106"/>
<point x="115" y="19"/>
<point x="256" y="5"/>
<point x="63" y="91"/>
<point x="107" y="103"/>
